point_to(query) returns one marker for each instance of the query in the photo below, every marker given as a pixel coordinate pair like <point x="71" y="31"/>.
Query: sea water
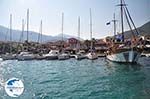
<point x="73" y="79"/>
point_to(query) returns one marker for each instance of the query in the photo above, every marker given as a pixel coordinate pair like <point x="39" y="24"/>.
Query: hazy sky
<point x="50" y="12"/>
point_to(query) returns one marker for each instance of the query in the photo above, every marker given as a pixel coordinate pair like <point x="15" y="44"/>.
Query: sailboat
<point x="79" y="55"/>
<point x="40" y="56"/>
<point x="91" y="55"/>
<point x="26" y="55"/>
<point x="52" y="55"/>
<point x="10" y="55"/>
<point x="63" y="55"/>
<point x="119" y="52"/>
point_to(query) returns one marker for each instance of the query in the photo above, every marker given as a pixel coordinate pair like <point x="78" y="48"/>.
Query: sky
<point x="50" y="12"/>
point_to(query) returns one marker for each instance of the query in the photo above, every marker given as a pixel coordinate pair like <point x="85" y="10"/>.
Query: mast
<point x="78" y="33"/>
<point x="41" y="30"/>
<point x="10" y="33"/>
<point x="79" y="28"/>
<point x="122" y="26"/>
<point x="21" y="37"/>
<point x="114" y="20"/>
<point x="10" y="27"/>
<point x="27" y="25"/>
<point x="91" y="29"/>
<point x="62" y="28"/>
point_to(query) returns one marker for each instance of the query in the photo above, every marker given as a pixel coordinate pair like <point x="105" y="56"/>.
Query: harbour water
<point x="73" y="79"/>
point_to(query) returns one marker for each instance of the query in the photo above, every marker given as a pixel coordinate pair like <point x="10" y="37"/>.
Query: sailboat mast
<point x="79" y="28"/>
<point x="41" y="30"/>
<point x="38" y="40"/>
<point x="62" y="25"/>
<point x="62" y="30"/>
<point x="22" y="30"/>
<point x="114" y="25"/>
<point x="78" y="43"/>
<point x="10" y="33"/>
<point x="10" y="27"/>
<point x="27" y="25"/>
<point x="91" y="29"/>
<point x="122" y="26"/>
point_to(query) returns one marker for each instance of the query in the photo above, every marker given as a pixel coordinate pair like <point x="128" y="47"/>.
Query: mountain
<point x="33" y="36"/>
<point x="143" y="30"/>
<point x="64" y="35"/>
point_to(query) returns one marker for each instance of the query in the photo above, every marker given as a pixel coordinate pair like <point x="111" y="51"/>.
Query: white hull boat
<point x="39" y="57"/>
<point x="80" y="56"/>
<point x="92" y="56"/>
<point x="25" y="56"/>
<point x="63" y="56"/>
<point x="124" y="57"/>
<point x="121" y="49"/>
<point x="52" y="55"/>
<point x="8" y="56"/>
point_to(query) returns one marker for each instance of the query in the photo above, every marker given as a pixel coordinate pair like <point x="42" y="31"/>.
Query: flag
<point x="108" y="23"/>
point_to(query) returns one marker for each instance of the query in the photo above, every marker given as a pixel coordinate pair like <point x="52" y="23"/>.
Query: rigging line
<point x="131" y="19"/>
<point x="129" y="24"/>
